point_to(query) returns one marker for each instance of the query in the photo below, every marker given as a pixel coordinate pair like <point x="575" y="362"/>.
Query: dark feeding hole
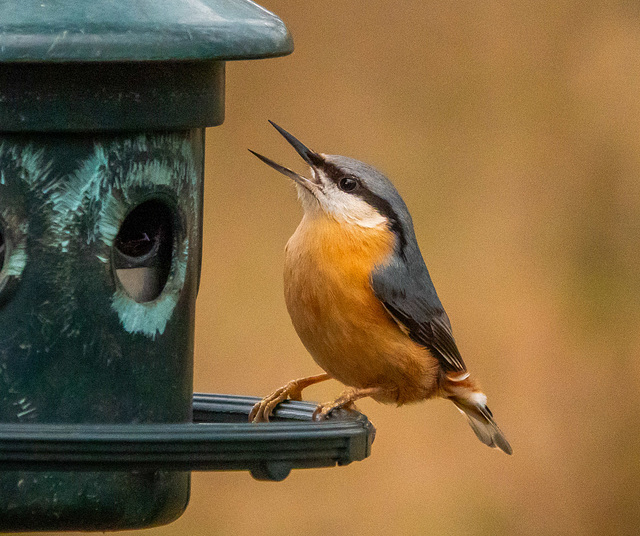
<point x="144" y="249"/>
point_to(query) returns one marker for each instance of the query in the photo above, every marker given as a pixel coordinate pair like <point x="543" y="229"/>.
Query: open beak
<point x="310" y="157"/>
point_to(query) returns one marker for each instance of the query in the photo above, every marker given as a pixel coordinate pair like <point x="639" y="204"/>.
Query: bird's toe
<point x="262" y="410"/>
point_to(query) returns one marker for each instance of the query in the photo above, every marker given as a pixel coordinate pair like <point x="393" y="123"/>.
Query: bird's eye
<point x="348" y="184"/>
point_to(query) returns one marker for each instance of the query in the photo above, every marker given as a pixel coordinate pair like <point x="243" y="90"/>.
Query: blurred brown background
<point x="512" y="129"/>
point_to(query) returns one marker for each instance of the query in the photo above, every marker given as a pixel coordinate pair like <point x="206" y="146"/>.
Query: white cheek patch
<point x="348" y="208"/>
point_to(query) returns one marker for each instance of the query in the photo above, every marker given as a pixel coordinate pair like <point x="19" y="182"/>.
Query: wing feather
<point x="413" y="304"/>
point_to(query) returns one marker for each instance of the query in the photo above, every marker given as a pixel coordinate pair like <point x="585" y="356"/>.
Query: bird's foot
<point x="323" y="410"/>
<point x="264" y="409"/>
<point x="291" y="391"/>
<point x="344" y="401"/>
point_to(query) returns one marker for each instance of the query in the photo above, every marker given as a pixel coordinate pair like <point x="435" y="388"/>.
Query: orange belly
<point x="338" y="318"/>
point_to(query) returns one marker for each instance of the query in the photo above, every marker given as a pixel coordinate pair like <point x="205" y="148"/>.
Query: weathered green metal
<point x="103" y="105"/>
<point x="75" y="346"/>
<point x="144" y="30"/>
<point x="76" y="97"/>
<point x="75" y="65"/>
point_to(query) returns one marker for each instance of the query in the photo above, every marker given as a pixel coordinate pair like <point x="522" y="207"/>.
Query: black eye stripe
<point x="333" y="172"/>
<point x="338" y="176"/>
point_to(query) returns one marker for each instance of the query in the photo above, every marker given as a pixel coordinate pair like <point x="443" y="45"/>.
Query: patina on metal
<point x="103" y="105"/>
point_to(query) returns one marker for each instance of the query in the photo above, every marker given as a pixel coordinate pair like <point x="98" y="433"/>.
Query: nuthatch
<point x="362" y="301"/>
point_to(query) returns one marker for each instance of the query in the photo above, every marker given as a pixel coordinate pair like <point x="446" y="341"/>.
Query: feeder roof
<point x="140" y="30"/>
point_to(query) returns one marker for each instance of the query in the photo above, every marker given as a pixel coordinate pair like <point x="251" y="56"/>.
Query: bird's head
<point x="346" y="190"/>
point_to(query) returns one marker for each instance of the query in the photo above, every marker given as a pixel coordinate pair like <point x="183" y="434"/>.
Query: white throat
<point x="341" y="206"/>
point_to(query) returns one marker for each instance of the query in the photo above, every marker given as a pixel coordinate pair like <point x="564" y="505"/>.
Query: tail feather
<point x="481" y="421"/>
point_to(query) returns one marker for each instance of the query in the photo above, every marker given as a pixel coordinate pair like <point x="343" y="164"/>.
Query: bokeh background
<point x="512" y="129"/>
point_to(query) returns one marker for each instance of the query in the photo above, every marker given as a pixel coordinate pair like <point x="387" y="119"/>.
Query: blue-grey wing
<point x="412" y="301"/>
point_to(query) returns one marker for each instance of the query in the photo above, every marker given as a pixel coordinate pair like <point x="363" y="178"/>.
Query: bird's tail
<point x="473" y="403"/>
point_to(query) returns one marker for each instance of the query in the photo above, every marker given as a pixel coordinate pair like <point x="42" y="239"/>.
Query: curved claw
<point x="262" y="410"/>
<point x="345" y="401"/>
<point x="321" y="412"/>
<point x="324" y="410"/>
<point x="318" y="414"/>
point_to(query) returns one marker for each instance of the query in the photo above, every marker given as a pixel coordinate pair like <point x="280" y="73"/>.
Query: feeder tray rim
<point x="268" y="450"/>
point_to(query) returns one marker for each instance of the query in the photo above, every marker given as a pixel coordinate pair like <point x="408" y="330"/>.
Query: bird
<point x="362" y="301"/>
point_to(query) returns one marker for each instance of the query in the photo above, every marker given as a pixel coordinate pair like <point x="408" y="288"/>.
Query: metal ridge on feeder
<point x="145" y="30"/>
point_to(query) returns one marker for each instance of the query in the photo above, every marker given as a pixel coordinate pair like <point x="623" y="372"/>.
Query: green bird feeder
<point x="103" y="109"/>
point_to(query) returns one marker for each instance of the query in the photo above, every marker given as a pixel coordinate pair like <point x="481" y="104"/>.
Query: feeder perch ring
<point x="218" y="439"/>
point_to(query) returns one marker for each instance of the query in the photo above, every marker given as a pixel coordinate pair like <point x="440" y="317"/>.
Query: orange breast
<point x="339" y="319"/>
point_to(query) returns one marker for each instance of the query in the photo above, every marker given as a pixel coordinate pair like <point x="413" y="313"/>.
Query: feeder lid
<point x="143" y="30"/>
<point x="99" y="65"/>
